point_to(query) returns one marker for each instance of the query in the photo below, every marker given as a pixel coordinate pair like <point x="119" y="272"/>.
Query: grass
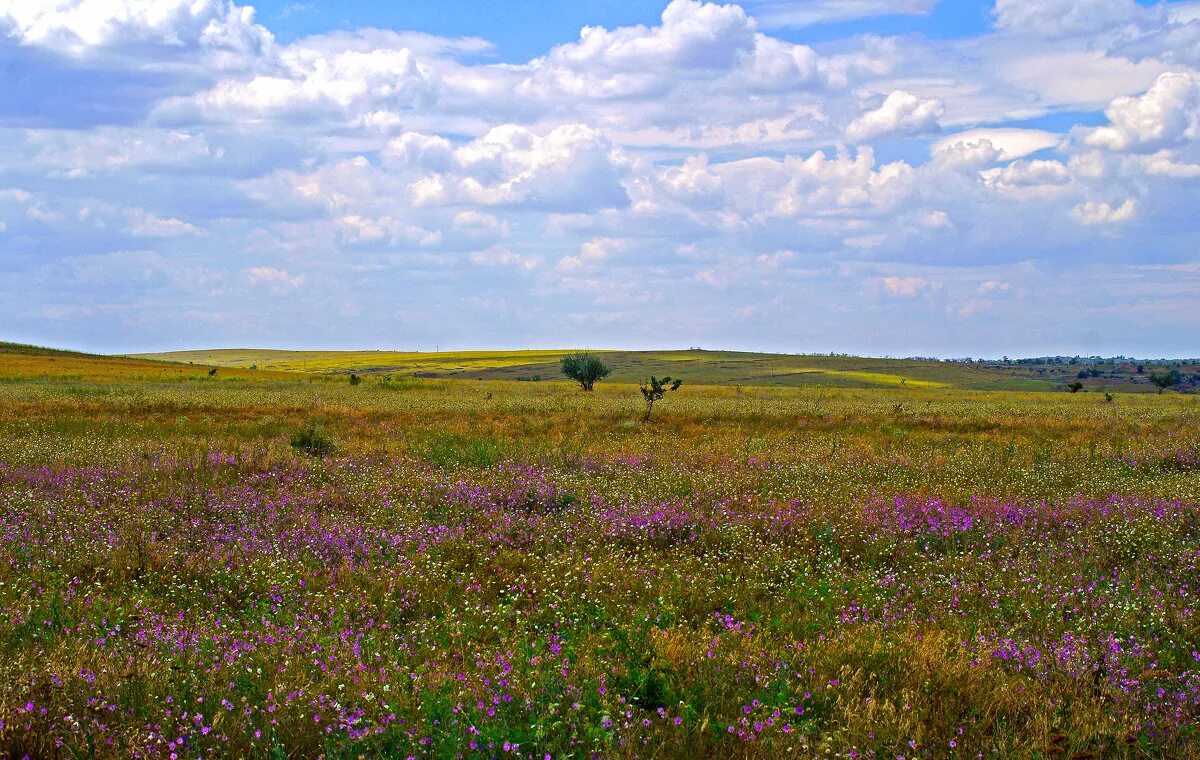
<point x="804" y="570"/>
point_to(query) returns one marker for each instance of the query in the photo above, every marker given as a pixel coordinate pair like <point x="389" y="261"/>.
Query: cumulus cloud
<point x="901" y="113"/>
<point x="592" y="253"/>
<point x="904" y="287"/>
<point x="985" y="146"/>
<point x="502" y="258"/>
<point x="278" y="281"/>
<point x="1093" y="212"/>
<point x="144" y="224"/>
<point x="1055" y="18"/>
<point x="1167" y="114"/>
<point x="1030" y="177"/>
<point x="310" y="81"/>
<point x="84" y="27"/>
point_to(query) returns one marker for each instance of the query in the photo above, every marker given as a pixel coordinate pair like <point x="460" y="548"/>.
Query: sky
<point x="879" y="177"/>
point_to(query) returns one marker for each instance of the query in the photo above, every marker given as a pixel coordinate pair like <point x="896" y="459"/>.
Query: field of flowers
<point x="502" y="569"/>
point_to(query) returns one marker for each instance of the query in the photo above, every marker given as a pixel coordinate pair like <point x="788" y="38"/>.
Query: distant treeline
<point x="1040" y="361"/>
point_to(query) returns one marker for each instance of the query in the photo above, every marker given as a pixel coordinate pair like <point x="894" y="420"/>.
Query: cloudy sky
<point x="889" y="177"/>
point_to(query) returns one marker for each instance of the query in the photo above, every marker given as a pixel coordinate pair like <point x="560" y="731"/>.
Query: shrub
<point x="654" y="391"/>
<point x="584" y="368"/>
<point x="312" y="440"/>
<point x="355" y="379"/>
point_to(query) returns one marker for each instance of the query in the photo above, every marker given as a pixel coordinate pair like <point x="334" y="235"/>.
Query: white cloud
<point x="592" y="253"/>
<point x="310" y="81"/>
<point x="144" y="224"/>
<point x="80" y="27"/>
<point x="1164" y="164"/>
<point x="693" y="36"/>
<point x="1057" y="18"/>
<point x="502" y="258"/>
<point x="1030" y="177"/>
<point x="15" y="194"/>
<point x="1092" y="212"/>
<point x="1167" y="114"/>
<point x="901" y="113"/>
<point x="985" y="146"/>
<point x="278" y="281"/>
<point x="572" y="168"/>
<point x="904" y="287"/>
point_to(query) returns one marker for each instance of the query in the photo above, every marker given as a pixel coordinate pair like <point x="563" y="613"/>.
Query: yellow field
<point x="696" y="367"/>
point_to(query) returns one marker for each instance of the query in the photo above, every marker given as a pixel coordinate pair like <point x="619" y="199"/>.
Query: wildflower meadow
<point x="499" y="569"/>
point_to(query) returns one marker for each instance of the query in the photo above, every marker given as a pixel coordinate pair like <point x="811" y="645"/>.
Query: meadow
<point x="492" y="568"/>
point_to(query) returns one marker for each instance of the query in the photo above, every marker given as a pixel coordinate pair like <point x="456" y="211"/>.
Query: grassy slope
<point x="697" y="367"/>
<point x="21" y="362"/>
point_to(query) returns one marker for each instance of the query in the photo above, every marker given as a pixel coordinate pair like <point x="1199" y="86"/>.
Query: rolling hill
<point x="696" y="366"/>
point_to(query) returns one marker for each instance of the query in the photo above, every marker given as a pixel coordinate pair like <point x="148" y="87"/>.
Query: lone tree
<point x="655" y="390"/>
<point x="1166" y="379"/>
<point x="585" y="368"/>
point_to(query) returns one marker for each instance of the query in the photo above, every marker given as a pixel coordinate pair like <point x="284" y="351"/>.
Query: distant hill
<point x="23" y="362"/>
<point x="696" y="366"/>
<point x="21" y="349"/>
<point x="699" y="367"/>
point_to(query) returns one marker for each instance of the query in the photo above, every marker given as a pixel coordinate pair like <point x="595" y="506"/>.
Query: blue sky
<point x="890" y="177"/>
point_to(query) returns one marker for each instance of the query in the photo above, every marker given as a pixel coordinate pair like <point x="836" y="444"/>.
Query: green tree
<point x="585" y="368"/>
<point x="1166" y="380"/>
<point x="655" y="390"/>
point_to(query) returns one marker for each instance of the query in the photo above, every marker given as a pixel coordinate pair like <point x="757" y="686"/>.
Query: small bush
<point x="312" y="440"/>
<point x="355" y="379"/>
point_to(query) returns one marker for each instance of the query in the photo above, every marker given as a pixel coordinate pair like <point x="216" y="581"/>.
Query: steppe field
<point x="799" y="557"/>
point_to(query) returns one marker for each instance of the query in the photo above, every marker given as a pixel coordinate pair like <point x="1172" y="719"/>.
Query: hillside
<point x="696" y="366"/>
<point x="23" y="362"/>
